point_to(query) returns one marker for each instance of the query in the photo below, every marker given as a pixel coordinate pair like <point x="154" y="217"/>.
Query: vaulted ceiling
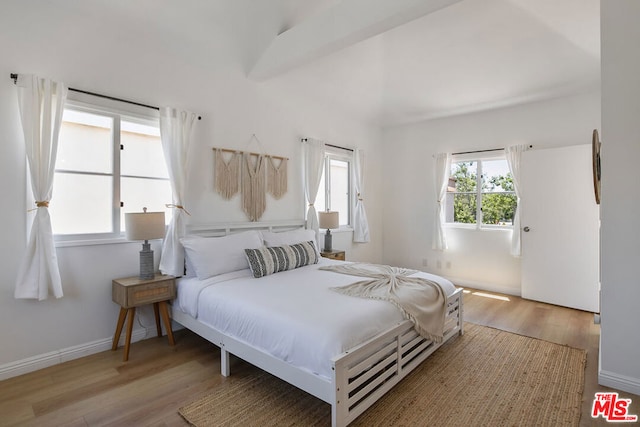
<point x="460" y="57"/>
<point x="384" y="61"/>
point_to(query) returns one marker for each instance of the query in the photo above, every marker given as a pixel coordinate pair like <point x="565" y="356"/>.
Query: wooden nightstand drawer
<point x="132" y="292"/>
<point x="339" y="255"/>
<point x="149" y="293"/>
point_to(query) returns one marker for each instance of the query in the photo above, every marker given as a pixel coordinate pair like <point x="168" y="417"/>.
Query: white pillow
<point x="189" y="271"/>
<point x="290" y="238"/>
<point x="211" y="256"/>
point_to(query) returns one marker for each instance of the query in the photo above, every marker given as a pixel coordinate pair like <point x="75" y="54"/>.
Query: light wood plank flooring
<point x="148" y="389"/>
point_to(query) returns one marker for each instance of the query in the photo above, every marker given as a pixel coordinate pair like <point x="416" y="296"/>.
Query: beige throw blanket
<point x="420" y="300"/>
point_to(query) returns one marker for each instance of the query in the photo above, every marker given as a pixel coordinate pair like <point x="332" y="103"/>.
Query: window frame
<point x="118" y="112"/>
<point x="479" y="158"/>
<point x="345" y="155"/>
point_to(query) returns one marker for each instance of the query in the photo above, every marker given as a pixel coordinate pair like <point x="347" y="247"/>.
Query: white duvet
<point x="292" y="315"/>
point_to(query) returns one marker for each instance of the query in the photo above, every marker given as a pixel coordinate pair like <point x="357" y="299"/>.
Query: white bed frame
<point x="361" y="375"/>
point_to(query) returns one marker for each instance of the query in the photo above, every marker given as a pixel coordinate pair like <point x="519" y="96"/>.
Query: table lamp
<point x="328" y="220"/>
<point x="144" y="226"/>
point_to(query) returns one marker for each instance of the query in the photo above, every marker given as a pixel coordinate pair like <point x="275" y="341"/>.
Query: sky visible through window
<point x="491" y="168"/>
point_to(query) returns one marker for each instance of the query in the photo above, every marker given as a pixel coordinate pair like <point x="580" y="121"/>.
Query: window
<point x="334" y="193"/>
<point x="107" y="164"/>
<point x="481" y="192"/>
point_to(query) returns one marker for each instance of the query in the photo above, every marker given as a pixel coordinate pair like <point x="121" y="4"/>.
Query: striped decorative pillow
<point x="273" y="259"/>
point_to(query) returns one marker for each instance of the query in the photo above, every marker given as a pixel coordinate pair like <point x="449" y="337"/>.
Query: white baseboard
<point x="489" y="287"/>
<point x="30" y="364"/>
<point x="619" y="382"/>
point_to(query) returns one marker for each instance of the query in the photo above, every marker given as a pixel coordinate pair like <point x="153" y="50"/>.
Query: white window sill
<point x="93" y="242"/>
<point x="474" y="227"/>
<point x="90" y="242"/>
<point x="342" y="229"/>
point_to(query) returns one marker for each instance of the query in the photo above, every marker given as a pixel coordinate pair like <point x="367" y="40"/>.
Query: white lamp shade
<point x="144" y="225"/>
<point x="328" y="219"/>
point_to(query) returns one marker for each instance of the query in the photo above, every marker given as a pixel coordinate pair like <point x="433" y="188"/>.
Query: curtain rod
<point x="14" y="77"/>
<point x="477" y="151"/>
<point x="331" y="145"/>
<point x="481" y="151"/>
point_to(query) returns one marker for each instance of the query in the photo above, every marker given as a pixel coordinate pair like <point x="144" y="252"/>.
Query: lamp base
<point x="327" y="241"/>
<point x="146" y="262"/>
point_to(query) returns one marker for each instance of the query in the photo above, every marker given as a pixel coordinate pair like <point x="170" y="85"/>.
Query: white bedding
<point x="292" y="315"/>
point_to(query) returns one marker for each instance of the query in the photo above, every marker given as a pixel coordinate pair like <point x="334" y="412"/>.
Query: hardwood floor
<point x="550" y="323"/>
<point x="158" y="379"/>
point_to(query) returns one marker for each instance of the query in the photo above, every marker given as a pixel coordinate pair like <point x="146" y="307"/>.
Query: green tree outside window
<point x="496" y="195"/>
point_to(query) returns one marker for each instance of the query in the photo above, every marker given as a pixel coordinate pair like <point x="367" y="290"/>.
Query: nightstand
<point x="132" y="292"/>
<point x="333" y="254"/>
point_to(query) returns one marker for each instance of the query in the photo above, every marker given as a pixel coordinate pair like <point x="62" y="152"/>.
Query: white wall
<point x="100" y="50"/>
<point x="477" y="258"/>
<point x="620" y="235"/>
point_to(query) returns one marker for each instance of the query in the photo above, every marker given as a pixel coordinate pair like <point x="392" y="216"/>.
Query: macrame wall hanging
<point x="253" y="178"/>
<point x="226" y="174"/>
<point x="276" y="177"/>
<point x="254" y="200"/>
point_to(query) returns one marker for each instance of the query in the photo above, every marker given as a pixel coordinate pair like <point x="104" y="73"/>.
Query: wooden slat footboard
<point x="364" y="374"/>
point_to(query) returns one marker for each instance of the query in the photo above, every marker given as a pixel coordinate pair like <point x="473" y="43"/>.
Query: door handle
<point x="526" y="229"/>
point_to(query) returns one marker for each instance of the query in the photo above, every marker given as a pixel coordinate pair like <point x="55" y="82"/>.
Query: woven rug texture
<point x="487" y="377"/>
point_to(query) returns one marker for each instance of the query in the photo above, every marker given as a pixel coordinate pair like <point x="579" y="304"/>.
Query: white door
<point x="560" y="228"/>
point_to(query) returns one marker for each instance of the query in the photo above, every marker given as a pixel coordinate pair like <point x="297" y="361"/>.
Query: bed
<point x="344" y="350"/>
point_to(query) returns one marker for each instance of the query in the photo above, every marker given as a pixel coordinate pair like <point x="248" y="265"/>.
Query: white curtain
<point x="360" y="223"/>
<point x="514" y="155"/>
<point x="175" y="132"/>
<point x="442" y="170"/>
<point x="41" y="103"/>
<point x="313" y="162"/>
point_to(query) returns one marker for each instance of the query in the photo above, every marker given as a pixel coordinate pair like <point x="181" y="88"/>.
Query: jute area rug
<point x="486" y="377"/>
